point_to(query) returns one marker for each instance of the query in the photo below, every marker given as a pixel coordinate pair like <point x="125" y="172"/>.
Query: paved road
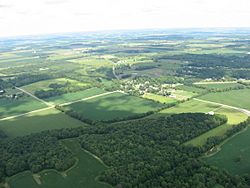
<point x="245" y="111"/>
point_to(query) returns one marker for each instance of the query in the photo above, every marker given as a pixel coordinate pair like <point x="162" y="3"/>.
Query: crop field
<point x="37" y="122"/>
<point x="234" y="154"/>
<point x="116" y="105"/>
<point x="159" y="98"/>
<point x="83" y="174"/>
<point x="11" y="107"/>
<point x="44" y="85"/>
<point x="237" y="98"/>
<point x="68" y="97"/>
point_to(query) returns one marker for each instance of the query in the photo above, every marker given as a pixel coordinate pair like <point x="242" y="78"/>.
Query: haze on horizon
<point x="25" y="17"/>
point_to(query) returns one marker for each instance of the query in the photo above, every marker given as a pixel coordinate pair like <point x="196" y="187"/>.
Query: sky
<point x="25" y="17"/>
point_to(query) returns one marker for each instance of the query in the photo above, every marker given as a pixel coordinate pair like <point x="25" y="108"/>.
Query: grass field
<point x="237" y="98"/>
<point x="116" y="105"/>
<point x="234" y="154"/>
<point x="83" y="174"/>
<point x="234" y="117"/>
<point x="44" y="85"/>
<point x="9" y="107"/>
<point x="221" y="86"/>
<point x="192" y="89"/>
<point x="159" y="98"/>
<point x="182" y="94"/>
<point x="75" y="96"/>
<point x="37" y="122"/>
<point x="190" y="106"/>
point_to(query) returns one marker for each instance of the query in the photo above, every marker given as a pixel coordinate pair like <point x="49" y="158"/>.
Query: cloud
<point x="5" y="6"/>
<point x="55" y="2"/>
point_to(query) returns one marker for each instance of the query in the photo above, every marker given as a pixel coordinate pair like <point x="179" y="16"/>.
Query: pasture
<point x="234" y="154"/>
<point x="37" y="122"/>
<point x="116" y="105"/>
<point x="237" y="98"/>
<point x="83" y="174"/>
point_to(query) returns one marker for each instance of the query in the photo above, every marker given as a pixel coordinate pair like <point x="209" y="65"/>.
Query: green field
<point x="83" y="174"/>
<point x="237" y="98"/>
<point x="37" y="122"/>
<point x="190" y="106"/>
<point x="182" y="94"/>
<point x="234" y="154"/>
<point x="159" y="98"/>
<point x="234" y="117"/>
<point x="192" y="89"/>
<point x="221" y="85"/>
<point x="44" y="85"/>
<point x="11" y="107"/>
<point x="116" y="105"/>
<point x="68" y="97"/>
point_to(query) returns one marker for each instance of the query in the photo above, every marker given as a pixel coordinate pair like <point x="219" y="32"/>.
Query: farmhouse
<point x="2" y="92"/>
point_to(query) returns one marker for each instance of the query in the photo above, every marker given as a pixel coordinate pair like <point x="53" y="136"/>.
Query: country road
<point x="245" y="111"/>
<point x="92" y="97"/>
<point x="33" y="96"/>
<point x="53" y="106"/>
<point x="25" y="114"/>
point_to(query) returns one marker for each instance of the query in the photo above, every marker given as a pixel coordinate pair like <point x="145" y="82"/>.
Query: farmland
<point x="233" y="155"/>
<point x="19" y="105"/>
<point x="38" y="121"/>
<point x="237" y="98"/>
<point x="113" y="106"/>
<point x="159" y="98"/>
<point x="68" y="97"/>
<point x="45" y="85"/>
<point x="149" y="104"/>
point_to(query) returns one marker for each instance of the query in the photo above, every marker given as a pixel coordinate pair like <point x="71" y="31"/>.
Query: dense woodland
<point x="140" y="153"/>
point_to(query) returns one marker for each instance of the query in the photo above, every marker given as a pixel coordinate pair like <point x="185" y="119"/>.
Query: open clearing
<point x="234" y="154"/>
<point x="237" y="98"/>
<point x="116" y="105"/>
<point x="83" y="174"/>
<point x="37" y="122"/>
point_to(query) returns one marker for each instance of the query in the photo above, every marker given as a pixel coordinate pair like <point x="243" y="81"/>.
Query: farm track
<point x="92" y="97"/>
<point x="247" y="112"/>
<point x="25" y="114"/>
<point x="53" y="106"/>
<point x="33" y="96"/>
